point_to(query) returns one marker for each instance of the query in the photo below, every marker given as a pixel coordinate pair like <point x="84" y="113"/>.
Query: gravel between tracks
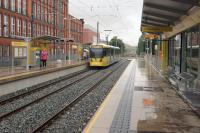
<point x="76" y="118"/>
<point x="31" y="116"/>
<point x="28" y="89"/>
<point x="45" y="91"/>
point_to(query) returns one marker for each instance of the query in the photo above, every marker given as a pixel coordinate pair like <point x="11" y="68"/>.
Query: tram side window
<point x="112" y="52"/>
<point x="106" y="52"/>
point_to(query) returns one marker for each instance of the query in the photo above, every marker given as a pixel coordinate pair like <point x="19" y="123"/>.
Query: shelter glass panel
<point x="171" y="51"/>
<point x="193" y="51"/>
<point x="177" y="53"/>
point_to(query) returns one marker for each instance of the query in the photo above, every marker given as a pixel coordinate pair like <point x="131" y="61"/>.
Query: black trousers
<point x="44" y="63"/>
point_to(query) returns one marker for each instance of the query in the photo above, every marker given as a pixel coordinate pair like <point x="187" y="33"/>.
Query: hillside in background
<point x="130" y="50"/>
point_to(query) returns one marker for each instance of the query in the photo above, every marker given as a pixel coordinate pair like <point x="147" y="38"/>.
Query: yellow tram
<point x="103" y="55"/>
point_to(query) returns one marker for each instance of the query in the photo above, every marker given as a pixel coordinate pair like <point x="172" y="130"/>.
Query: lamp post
<point x="107" y="35"/>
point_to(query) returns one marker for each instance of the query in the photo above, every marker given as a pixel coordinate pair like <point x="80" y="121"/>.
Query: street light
<point x="107" y="35"/>
<point x="69" y="30"/>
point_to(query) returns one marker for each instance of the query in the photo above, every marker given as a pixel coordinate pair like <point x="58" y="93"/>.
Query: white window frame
<point x="19" y="4"/>
<point x="6" y="26"/>
<point x="6" y="4"/>
<point x="24" y="27"/>
<point x="24" y="7"/>
<point x="39" y="12"/>
<point x="29" y="29"/>
<point x="34" y="10"/>
<point x="19" y="27"/>
<point x="12" y="25"/>
<point x="13" y="5"/>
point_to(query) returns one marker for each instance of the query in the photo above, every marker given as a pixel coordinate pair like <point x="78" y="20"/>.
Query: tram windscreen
<point x="96" y="53"/>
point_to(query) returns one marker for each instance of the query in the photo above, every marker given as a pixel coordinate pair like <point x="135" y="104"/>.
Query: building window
<point x="42" y="31"/>
<point x="0" y="26"/>
<point x="6" y="4"/>
<point x="13" y="5"/>
<point x="24" y="7"/>
<point x="19" y="27"/>
<point x="45" y="29"/>
<point x="20" y="52"/>
<point x="12" y="25"/>
<point x="24" y="28"/>
<point x="42" y="14"/>
<point x="38" y="12"/>
<point x="46" y="15"/>
<point x="38" y="30"/>
<point x="34" y="10"/>
<point x="49" y="33"/>
<point x="29" y="29"/>
<point x="6" y="25"/>
<point x="6" y="53"/>
<point x="34" y="30"/>
<point x="19" y="9"/>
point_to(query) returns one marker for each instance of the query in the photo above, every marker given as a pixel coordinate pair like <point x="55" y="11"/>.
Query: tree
<point x="141" y="45"/>
<point x="117" y="43"/>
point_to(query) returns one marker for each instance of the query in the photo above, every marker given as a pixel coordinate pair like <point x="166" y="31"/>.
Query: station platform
<point x="10" y="74"/>
<point x="142" y="101"/>
<point x="16" y="79"/>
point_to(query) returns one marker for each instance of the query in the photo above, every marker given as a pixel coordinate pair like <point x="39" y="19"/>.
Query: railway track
<point x="39" y="89"/>
<point x="43" y="109"/>
<point x="47" y="122"/>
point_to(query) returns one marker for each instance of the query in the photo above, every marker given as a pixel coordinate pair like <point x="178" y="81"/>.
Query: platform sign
<point x="154" y="29"/>
<point x="151" y="36"/>
<point x="19" y="44"/>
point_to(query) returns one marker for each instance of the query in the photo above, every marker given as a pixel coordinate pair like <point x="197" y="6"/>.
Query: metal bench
<point x="186" y="78"/>
<point x="172" y="76"/>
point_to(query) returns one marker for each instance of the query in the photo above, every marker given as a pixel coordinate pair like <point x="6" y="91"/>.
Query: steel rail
<point x="41" y="98"/>
<point x="39" y="88"/>
<point x="48" y="121"/>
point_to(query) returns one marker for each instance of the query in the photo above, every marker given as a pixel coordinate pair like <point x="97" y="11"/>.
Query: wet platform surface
<point x="18" y="81"/>
<point x="143" y="102"/>
<point x="9" y="71"/>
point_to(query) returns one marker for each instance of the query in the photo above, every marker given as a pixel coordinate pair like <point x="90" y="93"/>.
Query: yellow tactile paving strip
<point x="110" y="105"/>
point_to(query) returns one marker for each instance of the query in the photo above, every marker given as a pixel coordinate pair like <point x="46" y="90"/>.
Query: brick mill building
<point x="46" y="22"/>
<point x="89" y="35"/>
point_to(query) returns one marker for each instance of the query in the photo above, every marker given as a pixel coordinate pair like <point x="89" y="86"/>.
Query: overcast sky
<point x="123" y="17"/>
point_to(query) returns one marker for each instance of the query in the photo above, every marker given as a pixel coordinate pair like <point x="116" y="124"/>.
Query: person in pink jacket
<point x="44" y="57"/>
